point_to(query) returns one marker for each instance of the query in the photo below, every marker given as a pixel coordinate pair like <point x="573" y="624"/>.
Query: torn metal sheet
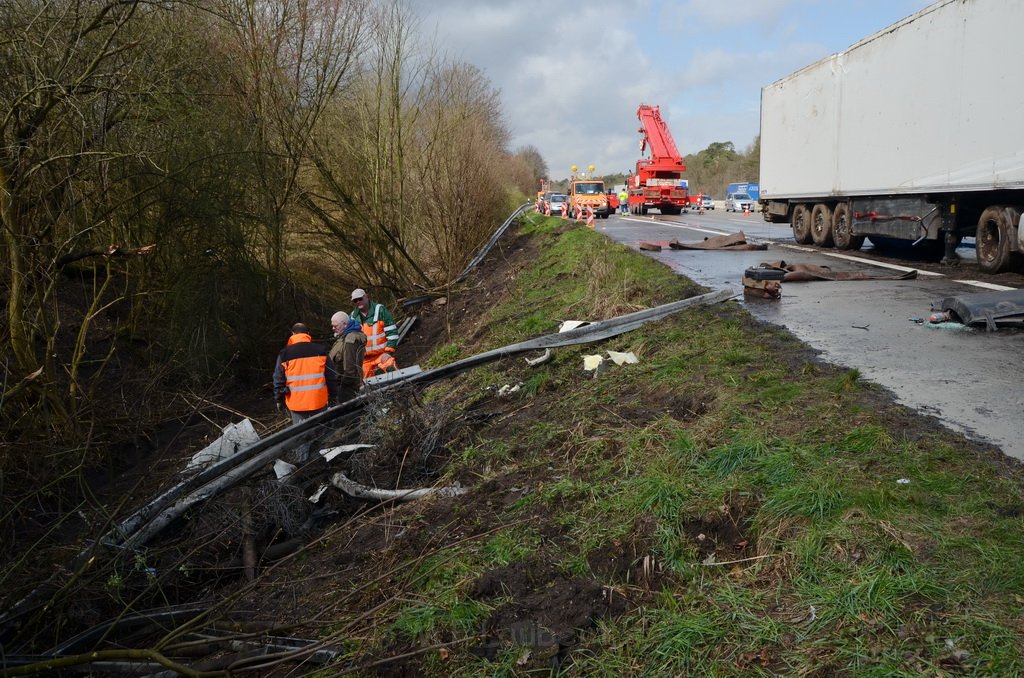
<point x="234" y="437"/>
<point x="991" y="309"/>
<point x="733" y="241"/>
<point x="808" y="272"/>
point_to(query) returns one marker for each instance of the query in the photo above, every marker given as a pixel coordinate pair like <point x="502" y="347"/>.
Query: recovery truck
<point x="586" y="191"/>
<point x="657" y="182"/>
<point x="912" y="134"/>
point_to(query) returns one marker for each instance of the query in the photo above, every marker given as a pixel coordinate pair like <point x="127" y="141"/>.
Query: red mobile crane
<point x="658" y="179"/>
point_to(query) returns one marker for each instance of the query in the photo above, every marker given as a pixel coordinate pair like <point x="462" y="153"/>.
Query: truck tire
<point x="992" y="238"/>
<point x="821" y="225"/>
<point x="802" y="224"/>
<point x="842" y="229"/>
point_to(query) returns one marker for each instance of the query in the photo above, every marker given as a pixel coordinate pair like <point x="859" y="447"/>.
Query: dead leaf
<point x="525" y="657"/>
<point x="443" y="653"/>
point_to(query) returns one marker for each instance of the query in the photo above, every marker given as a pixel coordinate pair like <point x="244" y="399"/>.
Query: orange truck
<point x="585" y="192"/>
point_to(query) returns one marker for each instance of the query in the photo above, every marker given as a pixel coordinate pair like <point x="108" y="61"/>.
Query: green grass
<point x="844" y="571"/>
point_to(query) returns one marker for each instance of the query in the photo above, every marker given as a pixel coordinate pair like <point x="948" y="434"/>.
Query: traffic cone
<point x="590" y="216"/>
<point x="746" y="210"/>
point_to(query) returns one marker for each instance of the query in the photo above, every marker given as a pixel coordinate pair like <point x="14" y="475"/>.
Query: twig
<point x="742" y="560"/>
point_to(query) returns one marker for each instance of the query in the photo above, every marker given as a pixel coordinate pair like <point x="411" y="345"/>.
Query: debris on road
<point x="764" y="282"/>
<point x="733" y="241"/>
<point x="810" y="272"/>
<point x="991" y="309"/>
<point x="649" y="246"/>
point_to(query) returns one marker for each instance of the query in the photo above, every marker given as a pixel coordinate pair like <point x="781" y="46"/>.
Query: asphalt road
<point x="969" y="379"/>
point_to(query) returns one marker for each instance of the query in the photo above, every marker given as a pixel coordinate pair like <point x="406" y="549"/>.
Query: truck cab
<point x="584" y="193"/>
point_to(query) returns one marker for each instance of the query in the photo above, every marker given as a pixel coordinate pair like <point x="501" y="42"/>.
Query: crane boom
<point x="658" y="181"/>
<point x="664" y="153"/>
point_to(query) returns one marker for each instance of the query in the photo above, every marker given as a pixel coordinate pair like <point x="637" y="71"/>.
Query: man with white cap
<point x="347" y="354"/>
<point x="381" y="334"/>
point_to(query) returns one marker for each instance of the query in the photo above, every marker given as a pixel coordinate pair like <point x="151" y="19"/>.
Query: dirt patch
<point x="626" y="560"/>
<point x="547" y="610"/>
<point x="720" y="536"/>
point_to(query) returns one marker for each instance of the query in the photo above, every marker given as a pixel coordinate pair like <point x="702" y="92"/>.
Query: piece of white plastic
<point x="572" y="324"/>
<point x="507" y="389"/>
<point x="233" y="438"/>
<point x="332" y="452"/>
<point x="283" y="469"/>
<point x="623" y="358"/>
<point x="592" y="362"/>
<point x="316" y="495"/>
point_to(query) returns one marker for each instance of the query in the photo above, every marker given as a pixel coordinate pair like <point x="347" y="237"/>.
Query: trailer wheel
<point x="993" y="238"/>
<point x="842" y="229"/>
<point x="801" y="224"/>
<point x="821" y="225"/>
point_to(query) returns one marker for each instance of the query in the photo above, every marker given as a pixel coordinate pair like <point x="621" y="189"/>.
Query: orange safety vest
<point x="376" y="332"/>
<point x="304" y="375"/>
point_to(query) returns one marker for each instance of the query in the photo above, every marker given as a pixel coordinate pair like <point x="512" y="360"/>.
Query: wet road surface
<point x="969" y="379"/>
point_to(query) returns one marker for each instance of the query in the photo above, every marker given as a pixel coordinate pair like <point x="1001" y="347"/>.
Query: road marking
<point x="985" y="285"/>
<point x="847" y="257"/>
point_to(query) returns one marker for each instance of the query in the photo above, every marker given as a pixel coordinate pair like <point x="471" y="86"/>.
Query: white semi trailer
<point x="914" y="133"/>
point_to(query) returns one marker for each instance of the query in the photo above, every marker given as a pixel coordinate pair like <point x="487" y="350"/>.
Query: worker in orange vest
<point x="381" y="334"/>
<point x="304" y="376"/>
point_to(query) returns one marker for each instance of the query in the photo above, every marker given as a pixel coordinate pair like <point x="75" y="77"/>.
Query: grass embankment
<point x="745" y="504"/>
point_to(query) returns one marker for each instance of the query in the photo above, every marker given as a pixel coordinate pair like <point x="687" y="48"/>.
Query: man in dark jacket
<point x="347" y="353"/>
<point x="305" y="380"/>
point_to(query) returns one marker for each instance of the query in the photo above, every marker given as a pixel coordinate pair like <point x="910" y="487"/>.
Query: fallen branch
<point x="354" y="489"/>
<point x="111" y="251"/>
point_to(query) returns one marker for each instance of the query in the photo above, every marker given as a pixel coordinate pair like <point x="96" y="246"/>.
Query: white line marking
<point x="985" y="285"/>
<point x="847" y="257"/>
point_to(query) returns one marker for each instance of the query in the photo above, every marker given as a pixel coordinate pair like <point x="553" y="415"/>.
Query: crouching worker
<point x="381" y="334"/>
<point x="304" y="376"/>
<point x="347" y="354"/>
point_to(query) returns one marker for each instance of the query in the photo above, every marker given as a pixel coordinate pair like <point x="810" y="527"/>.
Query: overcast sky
<point x="571" y="74"/>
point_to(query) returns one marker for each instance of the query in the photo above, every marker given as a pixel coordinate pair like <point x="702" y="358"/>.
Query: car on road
<point x="557" y="204"/>
<point x="707" y="202"/>
<point x="739" y="202"/>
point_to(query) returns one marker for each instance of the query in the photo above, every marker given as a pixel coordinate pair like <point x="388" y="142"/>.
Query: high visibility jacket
<point x="304" y="376"/>
<point x="379" y="328"/>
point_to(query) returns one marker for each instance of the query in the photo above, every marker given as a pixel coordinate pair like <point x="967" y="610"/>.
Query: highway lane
<point x="970" y="380"/>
